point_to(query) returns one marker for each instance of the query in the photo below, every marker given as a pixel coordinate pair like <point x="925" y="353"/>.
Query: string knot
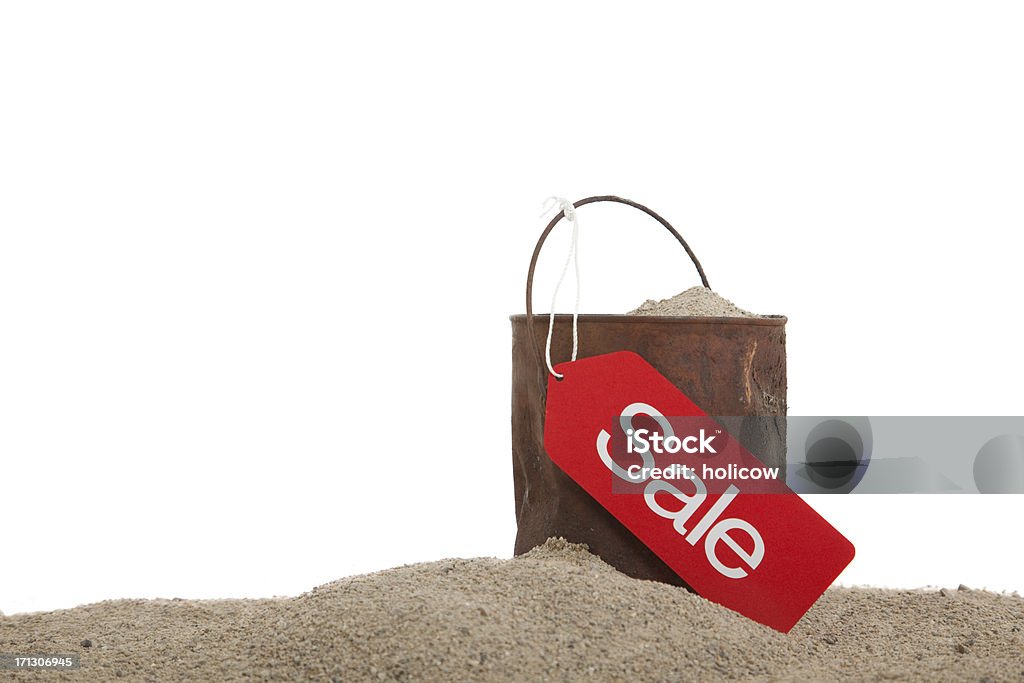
<point x="561" y="203"/>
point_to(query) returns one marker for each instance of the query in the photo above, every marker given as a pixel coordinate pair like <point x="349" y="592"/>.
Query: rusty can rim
<point x="761" y="320"/>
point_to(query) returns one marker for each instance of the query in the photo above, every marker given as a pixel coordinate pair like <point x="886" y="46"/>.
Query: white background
<point x="253" y="254"/>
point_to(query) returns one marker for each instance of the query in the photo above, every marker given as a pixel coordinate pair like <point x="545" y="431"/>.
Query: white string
<point x="570" y="214"/>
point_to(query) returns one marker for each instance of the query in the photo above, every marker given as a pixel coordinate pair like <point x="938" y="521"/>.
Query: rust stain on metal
<point x="747" y="370"/>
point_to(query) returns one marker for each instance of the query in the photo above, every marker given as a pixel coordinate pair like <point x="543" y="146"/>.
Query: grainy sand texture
<point x="696" y="301"/>
<point x="557" y="613"/>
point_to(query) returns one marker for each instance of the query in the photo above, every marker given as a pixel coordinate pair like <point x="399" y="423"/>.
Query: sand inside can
<point x="696" y="301"/>
<point x="557" y="613"/>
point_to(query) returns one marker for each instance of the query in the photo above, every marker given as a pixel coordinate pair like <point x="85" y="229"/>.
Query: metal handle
<point x="554" y="222"/>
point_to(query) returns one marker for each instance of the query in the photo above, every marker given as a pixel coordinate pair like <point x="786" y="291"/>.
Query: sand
<point x="557" y="613"/>
<point x="696" y="301"/>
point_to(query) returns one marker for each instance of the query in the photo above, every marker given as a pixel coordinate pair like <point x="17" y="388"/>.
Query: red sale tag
<point x="752" y="546"/>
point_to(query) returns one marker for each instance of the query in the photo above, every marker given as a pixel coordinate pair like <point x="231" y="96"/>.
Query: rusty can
<point x="730" y="367"/>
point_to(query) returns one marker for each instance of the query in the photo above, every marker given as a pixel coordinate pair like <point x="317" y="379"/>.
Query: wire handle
<point x="547" y="231"/>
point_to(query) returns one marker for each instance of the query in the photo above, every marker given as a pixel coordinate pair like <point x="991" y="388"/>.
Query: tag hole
<point x="559" y="379"/>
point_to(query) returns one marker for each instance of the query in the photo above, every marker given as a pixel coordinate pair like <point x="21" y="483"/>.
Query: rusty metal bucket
<point x="728" y="366"/>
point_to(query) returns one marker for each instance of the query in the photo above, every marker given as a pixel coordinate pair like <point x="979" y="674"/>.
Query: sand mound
<point x="696" y="301"/>
<point x="557" y="613"/>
